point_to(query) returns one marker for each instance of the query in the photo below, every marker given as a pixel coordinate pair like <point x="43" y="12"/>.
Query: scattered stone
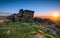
<point x="53" y="32"/>
<point x="36" y="36"/>
<point x="33" y="24"/>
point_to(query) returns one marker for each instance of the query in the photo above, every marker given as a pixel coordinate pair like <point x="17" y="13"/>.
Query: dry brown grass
<point x="1" y="21"/>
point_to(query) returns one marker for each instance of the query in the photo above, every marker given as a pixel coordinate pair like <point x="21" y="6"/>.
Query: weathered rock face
<point x="25" y="15"/>
<point x="13" y="17"/>
<point x="22" y="16"/>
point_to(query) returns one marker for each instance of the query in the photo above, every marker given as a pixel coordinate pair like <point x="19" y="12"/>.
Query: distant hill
<point x="56" y="20"/>
<point x="5" y="14"/>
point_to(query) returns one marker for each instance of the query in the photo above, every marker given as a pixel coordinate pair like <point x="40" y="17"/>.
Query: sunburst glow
<point x="55" y="15"/>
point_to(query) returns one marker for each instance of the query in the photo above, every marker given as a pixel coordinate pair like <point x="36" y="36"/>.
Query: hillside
<point x="23" y="25"/>
<point x="27" y="30"/>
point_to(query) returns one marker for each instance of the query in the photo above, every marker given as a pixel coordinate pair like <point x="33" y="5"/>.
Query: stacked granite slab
<point x="25" y="15"/>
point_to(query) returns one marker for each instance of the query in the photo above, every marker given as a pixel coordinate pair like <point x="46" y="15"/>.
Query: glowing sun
<point x="55" y="15"/>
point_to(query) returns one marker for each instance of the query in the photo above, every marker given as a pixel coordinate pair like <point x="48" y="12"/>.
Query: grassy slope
<point x="22" y="30"/>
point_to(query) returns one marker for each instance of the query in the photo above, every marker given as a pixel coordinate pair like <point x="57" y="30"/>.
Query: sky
<point x="39" y="6"/>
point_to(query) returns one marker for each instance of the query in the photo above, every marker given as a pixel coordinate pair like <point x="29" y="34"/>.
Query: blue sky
<point x="39" y="6"/>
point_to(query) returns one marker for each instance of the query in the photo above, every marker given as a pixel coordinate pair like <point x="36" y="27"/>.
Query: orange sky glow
<point x="54" y="15"/>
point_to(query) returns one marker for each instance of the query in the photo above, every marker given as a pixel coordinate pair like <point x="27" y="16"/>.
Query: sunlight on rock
<point x="8" y="31"/>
